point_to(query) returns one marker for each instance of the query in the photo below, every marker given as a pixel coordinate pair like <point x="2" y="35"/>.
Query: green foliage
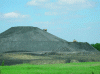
<point x="97" y="46"/>
<point x="2" y="63"/>
<point x="92" y="72"/>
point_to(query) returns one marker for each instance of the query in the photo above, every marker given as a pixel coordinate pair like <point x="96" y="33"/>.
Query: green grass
<point x="68" y="68"/>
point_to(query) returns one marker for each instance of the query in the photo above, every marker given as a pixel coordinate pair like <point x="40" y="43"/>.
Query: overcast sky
<point x="67" y="19"/>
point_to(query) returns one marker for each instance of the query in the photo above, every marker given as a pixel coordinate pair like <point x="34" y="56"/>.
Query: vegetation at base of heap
<point x="97" y="46"/>
<point x="68" y="68"/>
<point x="2" y="63"/>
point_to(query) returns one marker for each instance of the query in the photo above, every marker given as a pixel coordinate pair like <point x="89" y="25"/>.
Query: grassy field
<point x="68" y="68"/>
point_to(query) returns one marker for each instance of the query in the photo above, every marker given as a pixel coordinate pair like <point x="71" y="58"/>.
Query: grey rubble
<point x="33" y="39"/>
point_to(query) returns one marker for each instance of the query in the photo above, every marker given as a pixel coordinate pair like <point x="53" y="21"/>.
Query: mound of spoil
<point x="33" y="39"/>
<point x="49" y="58"/>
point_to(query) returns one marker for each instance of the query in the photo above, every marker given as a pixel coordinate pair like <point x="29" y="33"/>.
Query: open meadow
<point x="68" y="68"/>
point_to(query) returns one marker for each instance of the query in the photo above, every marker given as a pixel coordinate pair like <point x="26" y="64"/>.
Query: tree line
<point x="97" y="46"/>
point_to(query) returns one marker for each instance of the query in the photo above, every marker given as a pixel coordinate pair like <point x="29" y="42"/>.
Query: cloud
<point x="55" y="13"/>
<point x="44" y="23"/>
<point x="51" y="13"/>
<point x="84" y="29"/>
<point x="13" y="15"/>
<point x="71" y="1"/>
<point x="48" y="24"/>
<point x="36" y="2"/>
<point x="60" y="6"/>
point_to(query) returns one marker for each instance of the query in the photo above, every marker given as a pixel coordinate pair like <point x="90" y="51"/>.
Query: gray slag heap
<point x="33" y="39"/>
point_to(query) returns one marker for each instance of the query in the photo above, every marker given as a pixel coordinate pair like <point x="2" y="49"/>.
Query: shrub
<point x="2" y="63"/>
<point x="92" y="72"/>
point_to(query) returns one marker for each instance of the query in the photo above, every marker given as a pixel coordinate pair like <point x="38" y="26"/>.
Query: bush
<point x="2" y="63"/>
<point x="97" y="46"/>
<point x="92" y="72"/>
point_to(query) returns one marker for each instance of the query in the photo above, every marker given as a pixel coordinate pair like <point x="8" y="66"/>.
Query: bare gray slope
<point x="33" y="39"/>
<point x="28" y="34"/>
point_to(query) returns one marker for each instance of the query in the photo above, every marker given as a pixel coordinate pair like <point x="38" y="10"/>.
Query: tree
<point x="97" y="46"/>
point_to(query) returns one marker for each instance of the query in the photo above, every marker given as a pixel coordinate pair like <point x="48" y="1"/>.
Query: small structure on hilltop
<point x="74" y="40"/>
<point x="45" y="29"/>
